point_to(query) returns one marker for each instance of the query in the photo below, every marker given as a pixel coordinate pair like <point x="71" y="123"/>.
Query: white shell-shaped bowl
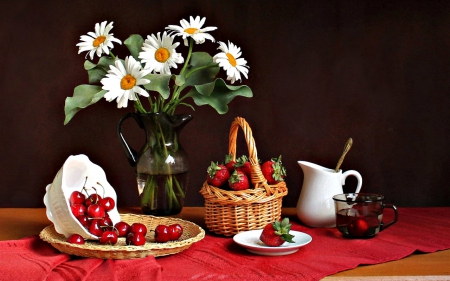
<point x="77" y="171"/>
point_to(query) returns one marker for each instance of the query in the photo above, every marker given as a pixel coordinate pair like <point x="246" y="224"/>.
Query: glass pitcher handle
<point x="129" y="151"/>
<point x="384" y="226"/>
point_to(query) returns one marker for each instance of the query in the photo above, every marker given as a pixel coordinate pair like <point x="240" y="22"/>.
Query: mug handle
<point x="355" y="174"/>
<point x="384" y="226"/>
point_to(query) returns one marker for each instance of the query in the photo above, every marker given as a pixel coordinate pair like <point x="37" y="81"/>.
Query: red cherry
<point x="358" y="227"/>
<point x="162" y="233"/>
<point x="175" y="231"/>
<point x="75" y="239"/>
<point x="129" y="239"/>
<point x="108" y="203"/>
<point x="123" y="228"/>
<point x="136" y="239"/>
<point x="95" y="211"/>
<point x="138" y="228"/>
<point x="106" y="223"/>
<point x="77" y="198"/>
<point x="95" y="229"/>
<point x="78" y="209"/>
<point x="84" y="220"/>
<point x="109" y="237"/>
<point x="92" y="199"/>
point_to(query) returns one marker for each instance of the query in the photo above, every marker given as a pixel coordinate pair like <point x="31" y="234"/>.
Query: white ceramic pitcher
<point x="315" y="205"/>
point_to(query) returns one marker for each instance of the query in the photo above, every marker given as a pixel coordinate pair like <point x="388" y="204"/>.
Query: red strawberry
<point x="238" y="181"/>
<point x="217" y="174"/>
<point x="229" y="162"/>
<point x="275" y="234"/>
<point x="242" y="164"/>
<point x="273" y="171"/>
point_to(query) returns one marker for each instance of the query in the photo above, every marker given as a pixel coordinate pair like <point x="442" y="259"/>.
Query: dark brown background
<point x="321" y="72"/>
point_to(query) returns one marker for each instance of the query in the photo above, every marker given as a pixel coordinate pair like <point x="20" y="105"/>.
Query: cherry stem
<point x="96" y="197"/>
<point x="84" y="187"/>
<point x="103" y="189"/>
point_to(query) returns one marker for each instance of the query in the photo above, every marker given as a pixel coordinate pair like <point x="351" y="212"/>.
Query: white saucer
<point x="250" y="240"/>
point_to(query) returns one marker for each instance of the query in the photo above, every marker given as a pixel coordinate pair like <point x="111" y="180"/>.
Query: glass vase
<point x="162" y="165"/>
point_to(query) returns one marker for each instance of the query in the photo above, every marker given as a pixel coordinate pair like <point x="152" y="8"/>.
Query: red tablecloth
<point x="33" y="259"/>
<point x="219" y="258"/>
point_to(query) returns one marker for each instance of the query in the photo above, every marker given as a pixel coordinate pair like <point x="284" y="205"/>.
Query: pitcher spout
<point x="308" y="166"/>
<point x="304" y="164"/>
<point x="180" y="120"/>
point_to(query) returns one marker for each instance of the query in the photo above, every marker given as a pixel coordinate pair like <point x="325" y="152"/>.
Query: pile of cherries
<point x="92" y="212"/>
<point x="135" y="234"/>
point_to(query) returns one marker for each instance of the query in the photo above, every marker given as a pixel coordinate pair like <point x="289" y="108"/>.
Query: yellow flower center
<point x="99" y="40"/>
<point x="191" y="30"/>
<point x="231" y="59"/>
<point x="127" y="82"/>
<point x="162" y="55"/>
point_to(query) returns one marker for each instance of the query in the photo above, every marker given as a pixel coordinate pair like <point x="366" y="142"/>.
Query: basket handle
<point x="257" y="178"/>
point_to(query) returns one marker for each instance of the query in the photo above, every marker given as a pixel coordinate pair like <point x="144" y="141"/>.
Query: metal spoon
<point x="347" y="147"/>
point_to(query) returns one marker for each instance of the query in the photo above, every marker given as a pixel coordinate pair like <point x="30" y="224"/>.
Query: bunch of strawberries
<point x="236" y="174"/>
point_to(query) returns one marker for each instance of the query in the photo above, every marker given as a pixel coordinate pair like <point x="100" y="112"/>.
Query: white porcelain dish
<point x="77" y="171"/>
<point x="250" y="240"/>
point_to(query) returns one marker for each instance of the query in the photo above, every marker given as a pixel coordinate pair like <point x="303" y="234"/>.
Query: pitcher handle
<point x="129" y="151"/>
<point x="355" y="174"/>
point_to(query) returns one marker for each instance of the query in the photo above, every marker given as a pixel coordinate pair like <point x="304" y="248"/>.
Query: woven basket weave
<point x="230" y="212"/>
<point x="92" y="249"/>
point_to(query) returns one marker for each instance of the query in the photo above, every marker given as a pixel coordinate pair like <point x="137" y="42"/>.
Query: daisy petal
<point x="98" y="42"/>
<point x="159" y="53"/>
<point x="229" y="59"/>
<point x="123" y="81"/>
<point x="192" y="29"/>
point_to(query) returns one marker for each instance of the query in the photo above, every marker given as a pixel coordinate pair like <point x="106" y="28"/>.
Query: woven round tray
<point x="230" y="212"/>
<point x="93" y="249"/>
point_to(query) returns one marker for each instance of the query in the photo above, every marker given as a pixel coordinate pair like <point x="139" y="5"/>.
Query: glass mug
<point x="360" y="215"/>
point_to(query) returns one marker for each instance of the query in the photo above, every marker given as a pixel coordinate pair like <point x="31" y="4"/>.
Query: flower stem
<point x="150" y="102"/>
<point x="138" y="105"/>
<point x="188" y="58"/>
<point x="171" y="106"/>
<point x="169" y="190"/>
<point x="176" y="88"/>
<point x="148" y="194"/>
<point x="180" y="190"/>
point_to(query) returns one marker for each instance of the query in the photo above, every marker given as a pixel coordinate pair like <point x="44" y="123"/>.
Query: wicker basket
<point x="92" y="249"/>
<point x="230" y="212"/>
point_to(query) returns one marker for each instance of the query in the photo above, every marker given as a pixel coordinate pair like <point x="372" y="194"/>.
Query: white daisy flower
<point x="122" y="82"/>
<point x="159" y="54"/>
<point x="193" y="29"/>
<point x="229" y="60"/>
<point x="99" y="41"/>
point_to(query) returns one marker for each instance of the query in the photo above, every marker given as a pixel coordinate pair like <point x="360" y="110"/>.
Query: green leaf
<point x="201" y="70"/>
<point x="134" y="44"/>
<point x="88" y="65"/>
<point x="83" y="96"/>
<point x="159" y="83"/>
<point x="218" y="94"/>
<point x="96" y="72"/>
<point x="179" y="80"/>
